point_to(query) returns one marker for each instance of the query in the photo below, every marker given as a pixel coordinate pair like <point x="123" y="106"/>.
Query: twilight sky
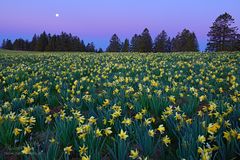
<point x="97" y="20"/>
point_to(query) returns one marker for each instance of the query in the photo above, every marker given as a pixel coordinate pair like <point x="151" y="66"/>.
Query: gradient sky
<point x="97" y="20"/>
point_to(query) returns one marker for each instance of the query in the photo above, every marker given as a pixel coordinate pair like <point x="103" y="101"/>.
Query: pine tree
<point x="58" y="43"/>
<point x="82" y="46"/>
<point x="125" y="46"/>
<point x="33" y="43"/>
<point x="185" y="41"/>
<point x="169" y="45"/>
<point x="175" y="43"/>
<point x="20" y="44"/>
<point x="100" y="50"/>
<point x="75" y="44"/>
<point x="9" y="44"/>
<point x="66" y="39"/>
<point x="135" y="43"/>
<point x="145" y="41"/>
<point x="90" y="47"/>
<point x="161" y="42"/>
<point x="42" y="42"/>
<point x="115" y="44"/>
<point x="51" y="46"/>
<point x="222" y="35"/>
<point x="26" y="46"/>
<point x="4" y="44"/>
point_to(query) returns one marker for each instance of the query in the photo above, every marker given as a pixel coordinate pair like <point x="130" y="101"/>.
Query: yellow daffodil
<point x="85" y="157"/>
<point x="92" y="120"/>
<point x="48" y="119"/>
<point x="83" y="150"/>
<point x="16" y="131"/>
<point x="68" y="150"/>
<point x="147" y="121"/>
<point x="123" y="135"/>
<point x="211" y="138"/>
<point x="27" y="150"/>
<point x="202" y="98"/>
<point x="204" y="153"/>
<point x="107" y="131"/>
<point x="52" y="140"/>
<point x="189" y="121"/>
<point x="27" y="130"/>
<point x="201" y="139"/>
<point x="233" y="133"/>
<point x="161" y="128"/>
<point x="134" y="154"/>
<point x="23" y="120"/>
<point x="172" y="99"/>
<point x="138" y="116"/>
<point x="227" y="135"/>
<point x="151" y="133"/>
<point x="98" y="133"/>
<point x="127" y="121"/>
<point x="106" y="102"/>
<point x="238" y="136"/>
<point x="166" y="140"/>
<point x="213" y="128"/>
<point x="46" y="109"/>
<point x="32" y="120"/>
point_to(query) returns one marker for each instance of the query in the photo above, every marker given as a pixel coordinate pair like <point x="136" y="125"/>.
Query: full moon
<point x="57" y="15"/>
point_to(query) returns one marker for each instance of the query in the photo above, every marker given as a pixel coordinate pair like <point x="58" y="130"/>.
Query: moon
<point x="57" y="14"/>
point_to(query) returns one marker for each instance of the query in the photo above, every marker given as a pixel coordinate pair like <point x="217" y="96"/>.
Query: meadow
<point x="119" y="106"/>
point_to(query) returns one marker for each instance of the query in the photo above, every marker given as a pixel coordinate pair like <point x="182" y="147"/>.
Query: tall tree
<point x="90" y="47"/>
<point x="82" y="46"/>
<point x="4" y="44"/>
<point x="27" y="45"/>
<point x="66" y="41"/>
<point x="169" y="45"/>
<point x="100" y="50"/>
<point x="75" y="43"/>
<point x="20" y="44"/>
<point x="33" y="43"/>
<point x="161" y="42"/>
<point x="145" y="41"/>
<point x="9" y="44"/>
<point x="135" y="43"/>
<point x="222" y="34"/>
<point x="58" y="43"/>
<point x="185" y="41"/>
<point x="125" y="46"/>
<point x="42" y="42"/>
<point x="51" y="46"/>
<point x="115" y="44"/>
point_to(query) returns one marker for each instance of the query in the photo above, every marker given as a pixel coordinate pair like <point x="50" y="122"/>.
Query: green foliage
<point x="65" y="131"/>
<point x="7" y="137"/>
<point x="119" y="106"/>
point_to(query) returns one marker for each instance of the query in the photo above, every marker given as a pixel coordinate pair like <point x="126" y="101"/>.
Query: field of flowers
<point x="119" y="106"/>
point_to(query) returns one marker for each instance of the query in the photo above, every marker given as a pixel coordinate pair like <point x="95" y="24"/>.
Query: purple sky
<point x="97" y="20"/>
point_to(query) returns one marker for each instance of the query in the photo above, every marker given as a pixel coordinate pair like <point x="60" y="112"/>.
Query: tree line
<point x="223" y="36"/>
<point x="184" y="41"/>
<point x="48" y="42"/>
